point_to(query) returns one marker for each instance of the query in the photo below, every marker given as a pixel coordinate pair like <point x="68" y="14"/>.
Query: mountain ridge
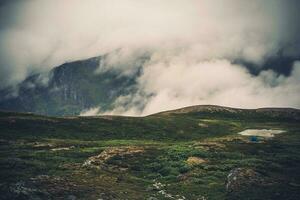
<point x="212" y="107"/>
<point x="273" y="112"/>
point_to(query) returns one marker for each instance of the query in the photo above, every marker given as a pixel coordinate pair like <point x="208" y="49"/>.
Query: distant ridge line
<point x="287" y="111"/>
<point x="216" y="108"/>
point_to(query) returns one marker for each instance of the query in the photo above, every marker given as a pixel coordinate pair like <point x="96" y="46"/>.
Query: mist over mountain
<point x="68" y="89"/>
<point x="89" y="87"/>
<point x="161" y="55"/>
<point x="149" y="99"/>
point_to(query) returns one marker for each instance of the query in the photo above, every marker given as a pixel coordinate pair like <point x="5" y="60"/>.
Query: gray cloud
<point x="191" y="47"/>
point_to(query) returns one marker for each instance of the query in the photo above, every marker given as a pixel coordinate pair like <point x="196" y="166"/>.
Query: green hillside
<point x="190" y="153"/>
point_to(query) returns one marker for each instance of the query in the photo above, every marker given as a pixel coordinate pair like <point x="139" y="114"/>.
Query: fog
<point x="197" y="50"/>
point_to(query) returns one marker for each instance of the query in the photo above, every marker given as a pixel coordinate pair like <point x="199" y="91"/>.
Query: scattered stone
<point x="111" y="152"/>
<point x="42" y="145"/>
<point x="40" y="177"/>
<point x="46" y="178"/>
<point x="240" y="178"/>
<point x="107" y="196"/>
<point x="202" y="198"/>
<point x="55" y="185"/>
<point x="152" y="198"/>
<point x="63" y="148"/>
<point x="158" y="185"/>
<point x="21" y="190"/>
<point x="71" y="197"/>
<point x="193" y="161"/>
<point x="69" y="166"/>
<point x="203" y="125"/>
<point x="182" y="177"/>
<point x="160" y="188"/>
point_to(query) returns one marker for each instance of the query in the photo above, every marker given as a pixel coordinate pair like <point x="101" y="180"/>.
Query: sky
<point x="227" y="52"/>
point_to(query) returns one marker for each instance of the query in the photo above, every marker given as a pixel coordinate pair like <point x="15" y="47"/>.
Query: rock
<point x="192" y="161"/>
<point x="158" y="185"/>
<point x="40" y="177"/>
<point x="107" y="196"/>
<point x="150" y="188"/>
<point x="182" y="177"/>
<point x="40" y="145"/>
<point x="203" y="125"/>
<point x="71" y="197"/>
<point x="241" y="178"/>
<point x="21" y="190"/>
<point x="152" y="198"/>
<point x="110" y="153"/>
<point x="63" y="148"/>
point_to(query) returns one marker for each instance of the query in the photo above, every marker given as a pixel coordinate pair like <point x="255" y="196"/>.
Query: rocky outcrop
<point x="21" y="190"/>
<point x="100" y="160"/>
<point x="241" y="178"/>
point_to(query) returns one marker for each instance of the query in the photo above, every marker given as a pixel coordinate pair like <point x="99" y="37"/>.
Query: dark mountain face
<point x="67" y="90"/>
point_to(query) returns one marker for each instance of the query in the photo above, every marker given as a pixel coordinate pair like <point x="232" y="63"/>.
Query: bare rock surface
<point x="240" y="178"/>
<point x="111" y="152"/>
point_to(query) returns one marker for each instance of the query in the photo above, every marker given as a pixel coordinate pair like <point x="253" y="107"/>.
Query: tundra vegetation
<point x="192" y="153"/>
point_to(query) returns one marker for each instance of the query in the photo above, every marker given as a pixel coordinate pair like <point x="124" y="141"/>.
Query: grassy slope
<point x="169" y="139"/>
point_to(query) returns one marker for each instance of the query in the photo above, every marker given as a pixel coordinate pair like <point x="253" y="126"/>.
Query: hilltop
<point x="276" y="112"/>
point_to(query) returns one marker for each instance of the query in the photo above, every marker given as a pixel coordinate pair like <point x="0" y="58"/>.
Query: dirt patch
<point x="192" y="161"/>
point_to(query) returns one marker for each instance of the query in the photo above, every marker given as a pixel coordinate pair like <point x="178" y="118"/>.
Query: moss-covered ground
<point x="42" y="157"/>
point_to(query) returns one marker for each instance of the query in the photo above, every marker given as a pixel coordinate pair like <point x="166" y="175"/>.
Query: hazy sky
<point x="228" y="52"/>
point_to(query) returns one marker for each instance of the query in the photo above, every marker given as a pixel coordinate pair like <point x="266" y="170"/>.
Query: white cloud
<point x="191" y="45"/>
<point x="178" y="83"/>
<point x="90" y="112"/>
<point x="41" y="34"/>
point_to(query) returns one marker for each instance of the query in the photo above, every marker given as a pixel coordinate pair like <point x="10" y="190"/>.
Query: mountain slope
<point x="214" y="110"/>
<point x="180" y="124"/>
<point x="71" y="88"/>
<point x="191" y="153"/>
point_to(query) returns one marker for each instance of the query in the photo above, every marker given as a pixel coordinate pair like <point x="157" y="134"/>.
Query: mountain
<point x="279" y="113"/>
<point x="189" y="153"/>
<point x="164" y="125"/>
<point x="67" y="90"/>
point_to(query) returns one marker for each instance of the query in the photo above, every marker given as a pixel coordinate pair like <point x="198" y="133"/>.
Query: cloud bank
<point x="196" y="51"/>
<point x="211" y="82"/>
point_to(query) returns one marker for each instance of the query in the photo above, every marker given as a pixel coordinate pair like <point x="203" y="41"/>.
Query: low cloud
<point x="90" y="112"/>
<point x="186" y="50"/>
<point x="178" y="83"/>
